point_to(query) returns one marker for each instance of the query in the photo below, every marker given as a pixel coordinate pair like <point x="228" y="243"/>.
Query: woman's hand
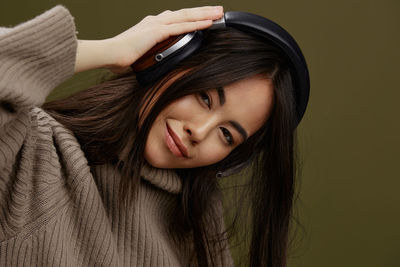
<point x="130" y="45"/>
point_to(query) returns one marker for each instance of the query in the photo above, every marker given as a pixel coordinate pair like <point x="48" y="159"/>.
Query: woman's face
<point x="202" y="129"/>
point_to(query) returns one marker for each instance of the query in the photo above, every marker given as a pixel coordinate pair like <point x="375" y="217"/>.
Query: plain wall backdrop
<point x="349" y="136"/>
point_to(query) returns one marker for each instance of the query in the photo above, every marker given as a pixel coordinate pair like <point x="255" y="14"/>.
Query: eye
<point x="205" y="98"/>
<point x="228" y="136"/>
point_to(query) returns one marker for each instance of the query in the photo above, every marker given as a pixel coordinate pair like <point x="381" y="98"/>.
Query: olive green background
<point x="349" y="137"/>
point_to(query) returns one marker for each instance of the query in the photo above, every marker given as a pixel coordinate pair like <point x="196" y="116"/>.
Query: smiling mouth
<point x="174" y="143"/>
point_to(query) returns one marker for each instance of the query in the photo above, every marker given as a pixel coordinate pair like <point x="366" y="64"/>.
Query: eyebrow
<point x="240" y="129"/>
<point x="235" y="124"/>
<point x="221" y="95"/>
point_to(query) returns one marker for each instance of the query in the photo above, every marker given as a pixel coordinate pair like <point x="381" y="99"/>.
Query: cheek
<point x="153" y="152"/>
<point x="182" y="108"/>
<point x="212" y="152"/>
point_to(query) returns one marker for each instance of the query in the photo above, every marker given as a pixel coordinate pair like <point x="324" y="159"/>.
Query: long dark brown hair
<point x="106" y="116"/>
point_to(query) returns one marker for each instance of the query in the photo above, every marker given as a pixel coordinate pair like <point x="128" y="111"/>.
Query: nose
<point x="199" y="130"/>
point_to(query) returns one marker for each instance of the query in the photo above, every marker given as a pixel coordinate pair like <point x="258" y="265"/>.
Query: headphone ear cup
<point x="148" y="59"/>
<point x="148" y="70"/>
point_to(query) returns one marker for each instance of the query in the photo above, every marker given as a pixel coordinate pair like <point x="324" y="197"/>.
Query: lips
<point x="177" y="143"/>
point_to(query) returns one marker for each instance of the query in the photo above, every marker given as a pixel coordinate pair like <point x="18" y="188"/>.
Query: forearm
<point x="93" y="54"/>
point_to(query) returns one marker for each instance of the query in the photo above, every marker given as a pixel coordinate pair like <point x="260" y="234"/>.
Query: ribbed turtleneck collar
<point x="166" y="179"/>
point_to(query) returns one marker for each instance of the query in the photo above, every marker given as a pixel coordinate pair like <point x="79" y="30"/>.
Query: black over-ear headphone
<point x="167" y="54"/>
<point x="164" y="56"/>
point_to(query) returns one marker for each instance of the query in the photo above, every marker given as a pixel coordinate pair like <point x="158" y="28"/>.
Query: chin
<point x="153" y="161"/>
<point x="156" y="164"/>
<point x="155" y="158"/>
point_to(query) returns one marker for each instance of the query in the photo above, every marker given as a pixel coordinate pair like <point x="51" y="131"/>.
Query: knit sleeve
<point x="35" y="57"/>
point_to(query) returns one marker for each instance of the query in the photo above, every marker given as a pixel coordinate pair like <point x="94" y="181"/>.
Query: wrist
<point x="93" y="54"/>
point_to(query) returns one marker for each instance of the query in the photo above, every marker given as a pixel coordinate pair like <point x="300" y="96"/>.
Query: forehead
<point x="249" y="102"/>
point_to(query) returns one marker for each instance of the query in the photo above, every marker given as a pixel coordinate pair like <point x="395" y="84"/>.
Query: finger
<point x="165" y="12"/>
<point x="184" y="27"/>
<point x="193" y="14"/>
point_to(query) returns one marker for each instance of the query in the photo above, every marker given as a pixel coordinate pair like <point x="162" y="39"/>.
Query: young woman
<point x="127" y="175"/>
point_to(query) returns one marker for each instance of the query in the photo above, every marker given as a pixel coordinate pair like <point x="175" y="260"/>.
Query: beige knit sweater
<point x="53" y="210"/>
